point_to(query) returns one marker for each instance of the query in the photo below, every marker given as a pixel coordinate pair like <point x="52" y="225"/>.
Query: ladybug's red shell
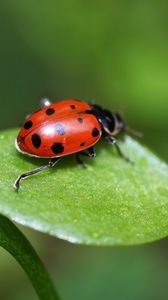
<point x="59" y="129"/>
<point x="54" y="110"/>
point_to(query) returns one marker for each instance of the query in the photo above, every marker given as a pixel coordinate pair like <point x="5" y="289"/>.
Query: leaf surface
<point x="109" y="203"/>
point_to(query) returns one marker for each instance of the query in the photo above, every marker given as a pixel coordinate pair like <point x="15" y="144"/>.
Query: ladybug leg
<point x="111" y="140"/>
<point x="80" y="161"/>
<point x="90" y="152"/>
<point x="51" y="164"/>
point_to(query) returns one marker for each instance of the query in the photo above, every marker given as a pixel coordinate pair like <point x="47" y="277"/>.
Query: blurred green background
<point x="115" y="53"/>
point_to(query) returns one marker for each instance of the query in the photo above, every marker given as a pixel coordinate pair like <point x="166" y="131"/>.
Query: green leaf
<point x="109" y="203"/>
<point x="16" y="244"/>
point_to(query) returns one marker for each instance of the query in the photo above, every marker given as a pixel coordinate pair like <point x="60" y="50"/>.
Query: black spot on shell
<point x="36" y="140"/>
<point x="28" y="124"/>
<point x="72" y="106"/>
<point x="50" y="111"/>
<point x="57" y="148"/>
<point x="80" y="120"/>
<point x="95" y="132"/>
<point x="82" y="144"/>
<point x="60" y="129"/>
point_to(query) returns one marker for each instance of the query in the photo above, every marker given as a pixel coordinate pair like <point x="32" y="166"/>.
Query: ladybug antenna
<point x="133" y="132"/>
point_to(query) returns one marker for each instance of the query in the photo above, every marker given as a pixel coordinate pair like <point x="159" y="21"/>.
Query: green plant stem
<point x="16" y="244"/>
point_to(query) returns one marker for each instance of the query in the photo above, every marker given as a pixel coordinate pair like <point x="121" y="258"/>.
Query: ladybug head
<point x="114" y="122"/>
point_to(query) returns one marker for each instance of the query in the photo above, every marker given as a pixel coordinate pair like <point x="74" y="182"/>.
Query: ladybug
<point x="67" y="127"/>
